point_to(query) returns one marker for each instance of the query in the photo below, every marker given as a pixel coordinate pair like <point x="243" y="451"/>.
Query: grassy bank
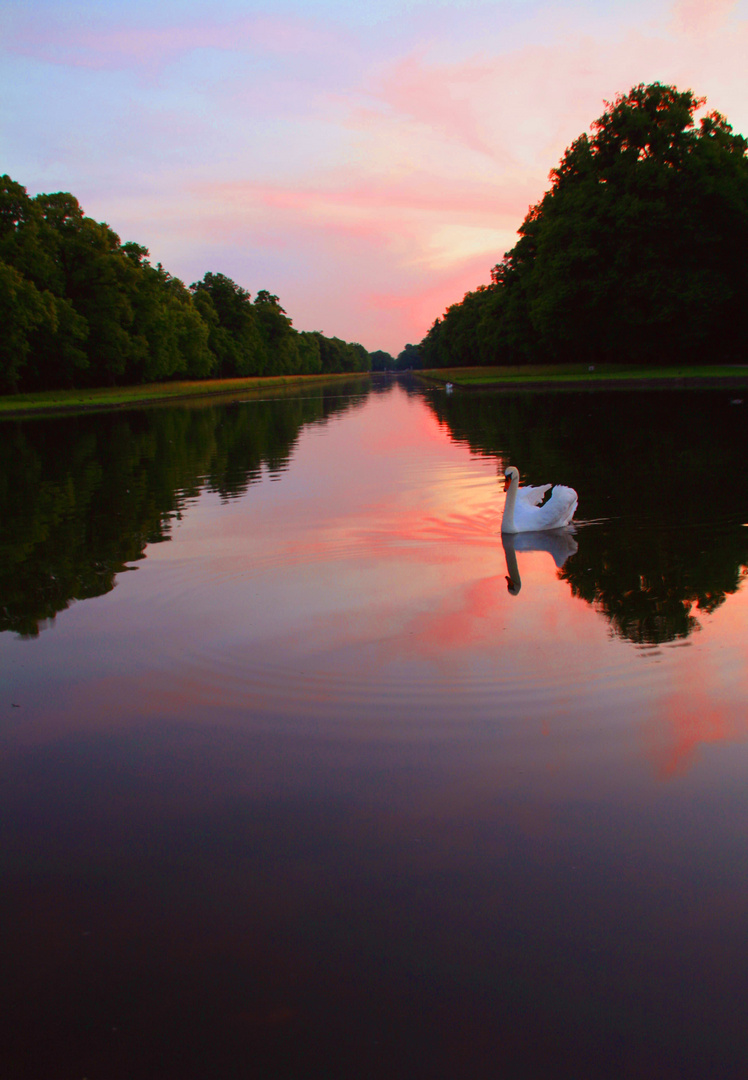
<point x="115" y="397"/>
<point x="578" y="376"/>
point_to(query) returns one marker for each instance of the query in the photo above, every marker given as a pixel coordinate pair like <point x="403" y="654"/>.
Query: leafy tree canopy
<point x="636" y="252"/>
<point x="382" y="361"/>
<point x="80" y="308"/>
<point x="410" y="357"/>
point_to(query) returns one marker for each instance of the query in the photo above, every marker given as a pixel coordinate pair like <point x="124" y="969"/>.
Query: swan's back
<point x="553" y="514"/>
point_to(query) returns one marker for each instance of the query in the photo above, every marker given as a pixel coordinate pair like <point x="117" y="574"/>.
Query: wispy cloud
<point x="371" y="166"/>
<point x="97" y="44"/>
<point x="702" y="16"/>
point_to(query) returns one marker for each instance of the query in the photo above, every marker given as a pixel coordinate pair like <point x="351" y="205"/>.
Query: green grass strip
<point x="584" y="374"/>
<point x="14" y="405"/>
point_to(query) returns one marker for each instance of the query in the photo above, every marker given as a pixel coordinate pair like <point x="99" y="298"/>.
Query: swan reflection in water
<point x="559" y="543"/>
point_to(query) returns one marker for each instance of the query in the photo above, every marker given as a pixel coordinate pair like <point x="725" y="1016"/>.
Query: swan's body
<point x="523" y="511"/>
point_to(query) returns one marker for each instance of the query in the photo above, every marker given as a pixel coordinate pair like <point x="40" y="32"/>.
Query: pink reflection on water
<point x="708" y="704"/>
<point x="462" y="627"/>
<point x="369" y="582"/>
<point x="690" y="723"/>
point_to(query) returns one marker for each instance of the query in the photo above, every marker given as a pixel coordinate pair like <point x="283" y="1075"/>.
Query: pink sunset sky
<point x="367" y="163"/>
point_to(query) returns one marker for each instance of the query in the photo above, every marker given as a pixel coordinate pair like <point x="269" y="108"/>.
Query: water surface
<point x="306" y="773"/>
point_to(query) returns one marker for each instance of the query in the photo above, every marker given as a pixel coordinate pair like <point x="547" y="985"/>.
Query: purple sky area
<point x="368" y="163"/>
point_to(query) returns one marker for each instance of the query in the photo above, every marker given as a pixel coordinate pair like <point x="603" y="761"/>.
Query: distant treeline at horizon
<point x="78" y="308"/>
<point x="636" y="254"/>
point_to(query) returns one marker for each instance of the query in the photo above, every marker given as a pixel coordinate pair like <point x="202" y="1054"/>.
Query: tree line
<point x="80" y="308"/>
<point x="406" y="360"/>
<point x="635" y="254"/>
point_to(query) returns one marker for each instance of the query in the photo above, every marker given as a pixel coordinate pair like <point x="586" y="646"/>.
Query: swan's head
<point x="512" y="586"/>
<point x="512" y="473"/>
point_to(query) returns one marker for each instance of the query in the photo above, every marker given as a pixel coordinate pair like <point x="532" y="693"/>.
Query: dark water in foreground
<point x="334" y="785"/>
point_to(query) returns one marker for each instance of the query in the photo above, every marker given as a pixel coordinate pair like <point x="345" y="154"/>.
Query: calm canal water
<point x="306" y="774"/>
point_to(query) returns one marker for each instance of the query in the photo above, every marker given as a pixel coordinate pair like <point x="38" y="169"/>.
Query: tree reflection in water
<point x="81" y="497"/>
<point x="662" y="493"/>
<point x="559" y="543"/>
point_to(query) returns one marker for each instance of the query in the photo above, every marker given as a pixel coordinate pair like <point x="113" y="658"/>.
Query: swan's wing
<point x="532" y="496"/>
<point x="559" y="510"/>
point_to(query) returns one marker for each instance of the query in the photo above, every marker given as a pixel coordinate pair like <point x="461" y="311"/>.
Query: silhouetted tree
<point x="410" y="357"/>
<point x="636" y="253"/>
<point x="382" y="361"/>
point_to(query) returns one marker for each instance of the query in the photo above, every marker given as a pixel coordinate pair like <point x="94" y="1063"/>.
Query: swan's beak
<point x="507" y="482"/>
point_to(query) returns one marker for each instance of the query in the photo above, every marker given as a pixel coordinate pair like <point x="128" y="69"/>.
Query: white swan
<point x="522" y="509"/>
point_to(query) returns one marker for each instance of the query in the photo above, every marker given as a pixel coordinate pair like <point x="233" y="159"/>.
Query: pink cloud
<point x="522" y="108"/>
<point x="102" y="47"/>
<point x="445" y="103"/>
<point x="418" y="191"/>
<point x="708" y="705"/>
<point x="378" y="205"/>
<point x="382" y="232"/>
<point x="690" y="721"/>
<point x="421" y="305"/>
<point x="472" y="622"/>
<point x="701" y="16"/>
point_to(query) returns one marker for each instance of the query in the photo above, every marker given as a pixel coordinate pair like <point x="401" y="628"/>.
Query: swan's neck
<point x="514" y="581"/>
<point x="507" y="521"/>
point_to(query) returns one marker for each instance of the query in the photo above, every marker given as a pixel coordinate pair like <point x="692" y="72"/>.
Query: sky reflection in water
<point x="312" y="791"/>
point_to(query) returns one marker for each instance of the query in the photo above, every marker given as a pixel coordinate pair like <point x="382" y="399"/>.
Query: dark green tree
<point x="337" y="356"/>
<point x="95" y="278"/>
<point x="634" y="254"/>
<point x="279" y="339"/>
<point x="80" y="308"/>
<point x="310" y="358"/>
<point x="382" y="361"/>
<point x="23" y="310"/>
<point x="410" y="357"/>
<point x="234" y="334"/>
<point x="172" y="335"/>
